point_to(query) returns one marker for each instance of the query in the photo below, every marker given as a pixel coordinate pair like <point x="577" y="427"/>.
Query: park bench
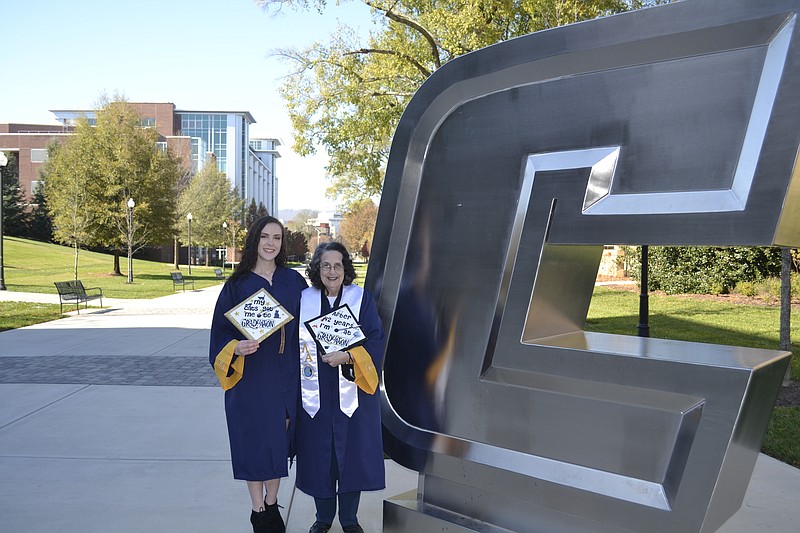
<point x="179" y="281"/>
<point x="220" y="274"/>
<point x="74" y="291"/>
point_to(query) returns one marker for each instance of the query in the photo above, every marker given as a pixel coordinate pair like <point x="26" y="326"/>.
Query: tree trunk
<point x="175" y="253"/>
<point x="117" y="271"/>
<point x="77" y="249"/>
<point x="786" y="306"/>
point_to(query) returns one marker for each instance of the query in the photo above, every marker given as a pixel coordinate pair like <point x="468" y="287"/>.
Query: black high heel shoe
<point x="273" y="523"/>
<point x="259" y="521"/>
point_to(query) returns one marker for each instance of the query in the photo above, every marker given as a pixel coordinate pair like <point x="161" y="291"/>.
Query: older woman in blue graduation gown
<point x="339" y="446"/>
<point x="261" y="378"/>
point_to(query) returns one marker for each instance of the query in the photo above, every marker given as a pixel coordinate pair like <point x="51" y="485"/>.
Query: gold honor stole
<point x="310" y="308"/>
<point x="223" y="366"/>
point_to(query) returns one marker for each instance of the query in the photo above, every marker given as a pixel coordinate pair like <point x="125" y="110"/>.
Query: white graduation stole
<point x="310" y="307"/>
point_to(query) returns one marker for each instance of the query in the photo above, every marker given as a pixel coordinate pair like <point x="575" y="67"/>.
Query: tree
<point x="69" y="192"/>
<point x="301" y="223"/>
<point x="786" y="307"/>
<point x="296" y="245"/>
<point x="212" y="201"/>
<point x="252" y="214"/>
<point x="93" y="174"/>
<point x="41" y="228"/>
<point x="358" y="225"/>
<point x="16" y="217"/>
<point x="316" y="241"/>
<point x="131" y="165"/>
<point x="347" y="97"/>
<point x="183" y="182"/>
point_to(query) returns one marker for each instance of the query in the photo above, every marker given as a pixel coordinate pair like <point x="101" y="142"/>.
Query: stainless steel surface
<point x="509" y="171"/>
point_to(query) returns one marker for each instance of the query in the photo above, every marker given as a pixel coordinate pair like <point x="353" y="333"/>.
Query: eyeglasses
<point x="327" y="267"/>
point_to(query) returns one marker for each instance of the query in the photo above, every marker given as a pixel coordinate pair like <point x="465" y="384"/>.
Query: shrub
<point x="705" y="269"/>
<point x="746" y="288"/>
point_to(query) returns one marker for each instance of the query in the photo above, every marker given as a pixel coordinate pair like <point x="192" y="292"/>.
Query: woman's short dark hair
<point x="250" y="252"/>
<point x="313" y="269"/>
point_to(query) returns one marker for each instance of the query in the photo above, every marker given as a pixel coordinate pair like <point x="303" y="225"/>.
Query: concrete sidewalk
<point x="113" y="421"/>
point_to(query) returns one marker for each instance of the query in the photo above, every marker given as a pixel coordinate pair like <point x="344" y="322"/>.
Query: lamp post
<point x="189" y="250"/>
<point x="3" y="162"/>
<point x="224" y="247"/>
<point x="131" y="204"/>
<point x="643" y="328"/>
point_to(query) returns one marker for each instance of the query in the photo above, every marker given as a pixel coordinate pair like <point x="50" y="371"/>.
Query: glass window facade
<point x="262" y="144"/>
<point x="212" y="129"/>
<point x="199" y="149"/>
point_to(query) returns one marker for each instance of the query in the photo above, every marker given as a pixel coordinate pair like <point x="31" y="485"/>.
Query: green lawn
<point x="361" y="273"/>
<point x="782" y="440"/>
<point x="32" y="266"/>
<point x="20" y="314"/>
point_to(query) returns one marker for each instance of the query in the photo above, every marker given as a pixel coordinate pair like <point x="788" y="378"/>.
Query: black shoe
<point x="353" y="528"/>
<point x="273" y="523"/>
<point x="258" y="519"/>
<point x="319" y="527"/>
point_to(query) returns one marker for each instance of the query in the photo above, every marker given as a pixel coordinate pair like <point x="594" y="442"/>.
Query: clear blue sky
<point x="198" y="54"/>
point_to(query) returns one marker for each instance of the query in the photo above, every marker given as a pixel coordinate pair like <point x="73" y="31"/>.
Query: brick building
<point x="191" y="135"/>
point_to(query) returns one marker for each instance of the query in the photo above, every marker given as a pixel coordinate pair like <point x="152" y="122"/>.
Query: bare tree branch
<point x="425" y="72"/>
<point x="307" y="64"/>
<point x="392" y="93"/>
<point x="401" y="19"/>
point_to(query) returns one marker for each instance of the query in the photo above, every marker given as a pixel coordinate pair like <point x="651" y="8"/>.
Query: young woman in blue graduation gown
<point x="339" y="445"/>
<point x="261" y="406"/>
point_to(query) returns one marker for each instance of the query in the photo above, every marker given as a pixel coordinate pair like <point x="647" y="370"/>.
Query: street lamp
<point x="643" y="328"/>
<point x="224" y="246"/>
<point x="189" y="250"/>
<point x="3" y="162"/>
<point x="131" y="204"/>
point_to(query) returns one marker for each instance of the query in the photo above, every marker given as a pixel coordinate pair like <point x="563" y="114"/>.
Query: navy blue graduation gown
<point x="257" y="407"/>
<point x="357" y="441"/>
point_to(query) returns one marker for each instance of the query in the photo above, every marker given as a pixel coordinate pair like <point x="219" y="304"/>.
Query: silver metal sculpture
<point x="509" y="171"/>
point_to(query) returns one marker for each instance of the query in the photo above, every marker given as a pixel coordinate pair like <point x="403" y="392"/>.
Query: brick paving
<point x="98" y="370"/>
<point x="180" y="371"/>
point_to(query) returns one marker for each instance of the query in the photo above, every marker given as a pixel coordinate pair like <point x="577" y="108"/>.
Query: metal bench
<point x="74" y="291"/>
<point x="179" y="281"/>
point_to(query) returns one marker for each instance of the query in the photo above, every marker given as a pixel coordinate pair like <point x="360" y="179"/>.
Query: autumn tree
<point x="212" y="201"/>
<point x="296" y="245"/>
<point x="358" y="224"/>
<point x="346" y="96"/>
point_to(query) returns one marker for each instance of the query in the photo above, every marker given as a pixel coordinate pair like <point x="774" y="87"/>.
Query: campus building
<point x="249" y="164"/>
